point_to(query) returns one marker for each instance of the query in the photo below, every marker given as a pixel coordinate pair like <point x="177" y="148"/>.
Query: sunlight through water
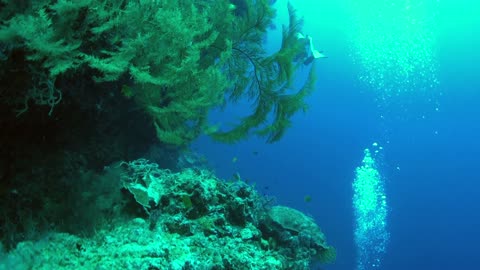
<point x="394" y="43"/>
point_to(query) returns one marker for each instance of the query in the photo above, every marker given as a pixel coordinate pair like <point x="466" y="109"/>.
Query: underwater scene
<point x="239" y="134"/>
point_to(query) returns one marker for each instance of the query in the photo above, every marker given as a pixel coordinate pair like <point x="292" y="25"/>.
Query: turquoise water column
<point x="394" y="43"/>
<point x="370" y="210"/>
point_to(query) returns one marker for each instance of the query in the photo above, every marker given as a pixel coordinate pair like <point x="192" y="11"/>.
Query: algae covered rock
<point x="296" y="230"/>
<point x="193" y="221"/>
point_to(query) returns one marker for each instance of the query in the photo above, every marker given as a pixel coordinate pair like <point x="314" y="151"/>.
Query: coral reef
<point x="175" y="60"/>
<point x="86" y="84"/>
<point x="194" y="221"/>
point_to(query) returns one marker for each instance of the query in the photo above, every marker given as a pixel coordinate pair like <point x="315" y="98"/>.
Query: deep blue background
<point x="433" y="195"/>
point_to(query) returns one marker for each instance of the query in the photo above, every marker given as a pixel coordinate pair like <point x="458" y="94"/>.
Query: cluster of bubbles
<point x="370" y="210"/>
<point x="394" y="43"/>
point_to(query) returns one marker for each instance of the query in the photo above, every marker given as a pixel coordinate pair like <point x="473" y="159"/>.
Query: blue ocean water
<point x="430" y="157"/>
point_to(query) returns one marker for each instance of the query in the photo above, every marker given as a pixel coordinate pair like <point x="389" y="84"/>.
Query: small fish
<point x="237" y="177"/>
<point x="234" y="159"/>
<point x="307" y="198"/>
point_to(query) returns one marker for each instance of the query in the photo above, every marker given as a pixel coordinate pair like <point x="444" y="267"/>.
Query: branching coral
<point x="267" y="80"/>
<point x="180" y="59"/>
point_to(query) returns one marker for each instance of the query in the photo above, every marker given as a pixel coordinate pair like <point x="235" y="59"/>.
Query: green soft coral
<point x="266" y="80"/>
<point x="180" y="59"/>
